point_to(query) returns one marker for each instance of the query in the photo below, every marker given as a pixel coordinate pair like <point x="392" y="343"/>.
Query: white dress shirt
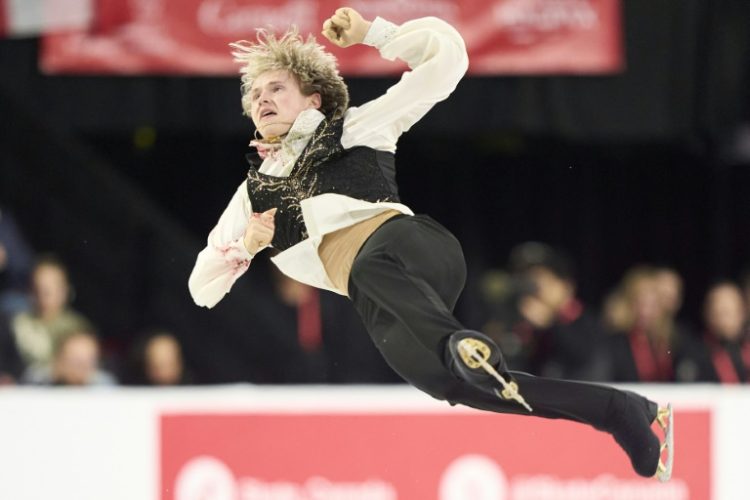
<point x="436" y="56"/>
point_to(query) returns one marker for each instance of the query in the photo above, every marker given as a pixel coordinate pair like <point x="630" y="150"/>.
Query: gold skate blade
<point x="466" y="348"/>
<point x="665" y="419"/>
<point x="662" y="416"/>
<point x="506" y="394"/>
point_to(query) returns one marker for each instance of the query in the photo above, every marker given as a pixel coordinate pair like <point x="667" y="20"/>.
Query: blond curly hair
<point x="315" y="69"/>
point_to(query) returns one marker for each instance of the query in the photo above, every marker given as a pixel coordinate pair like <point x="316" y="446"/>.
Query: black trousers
<point x="405" y="282"/>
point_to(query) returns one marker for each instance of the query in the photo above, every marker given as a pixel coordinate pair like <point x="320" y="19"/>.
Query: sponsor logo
<point x="477" y="477"/>
<point x="226" y="18"/>
<point x="207" y="478"/>
<point x="525" y="20"/>
<point x="603" y="487"/>
<point x="469" y="477"/>
<point x="399" y="11"/>
<point x="474" y="477"/>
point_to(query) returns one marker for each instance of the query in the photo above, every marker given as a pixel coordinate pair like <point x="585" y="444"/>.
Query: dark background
<point x="124" y="177"/>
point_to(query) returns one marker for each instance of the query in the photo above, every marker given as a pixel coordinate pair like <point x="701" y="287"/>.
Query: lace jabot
<point x="293" y="143"/>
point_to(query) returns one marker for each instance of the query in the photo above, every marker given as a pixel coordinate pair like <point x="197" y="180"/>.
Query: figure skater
<point x="322" y="190"/>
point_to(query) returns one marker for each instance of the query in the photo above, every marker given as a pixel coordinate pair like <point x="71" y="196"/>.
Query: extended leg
<point x="405" y="283"/>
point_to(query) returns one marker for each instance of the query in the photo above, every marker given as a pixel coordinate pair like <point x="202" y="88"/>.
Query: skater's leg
<point x="405" y="283"/>
<point x="414" y="269"/>
<point x="627" y="416"/>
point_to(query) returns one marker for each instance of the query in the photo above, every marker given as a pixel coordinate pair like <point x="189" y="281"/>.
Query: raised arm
<point x="437" y="58"/>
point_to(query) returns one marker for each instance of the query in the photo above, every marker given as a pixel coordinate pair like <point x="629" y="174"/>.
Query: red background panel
<point x="411" y="452"/>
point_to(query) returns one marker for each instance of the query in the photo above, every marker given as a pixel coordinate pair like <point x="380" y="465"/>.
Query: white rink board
<point x="102" y="444"/>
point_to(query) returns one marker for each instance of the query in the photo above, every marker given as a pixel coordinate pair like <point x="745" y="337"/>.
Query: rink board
<point x="364" y="443"/>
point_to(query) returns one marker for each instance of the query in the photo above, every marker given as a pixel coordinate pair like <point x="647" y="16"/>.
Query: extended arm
<point x="437" y="58"/>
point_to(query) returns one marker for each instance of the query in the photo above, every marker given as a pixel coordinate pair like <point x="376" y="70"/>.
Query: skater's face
<point x="276" y="101"/>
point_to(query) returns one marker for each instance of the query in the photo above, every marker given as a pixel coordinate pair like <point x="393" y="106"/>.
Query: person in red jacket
<point x="722" y="353"/>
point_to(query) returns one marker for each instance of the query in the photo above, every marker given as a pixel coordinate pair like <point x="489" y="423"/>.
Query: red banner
<point x="4" y="28"/>
<point x="460" y="456"/>
<point x="191" y="36"/>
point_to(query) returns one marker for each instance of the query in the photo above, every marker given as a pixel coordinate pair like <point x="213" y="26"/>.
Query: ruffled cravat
<point x="286" y="149"/>
<point x="266" y="149"/>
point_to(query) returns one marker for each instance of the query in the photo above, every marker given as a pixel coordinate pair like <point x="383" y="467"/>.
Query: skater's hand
<point x="259" y="232"/>
<point x="346" y="27"/>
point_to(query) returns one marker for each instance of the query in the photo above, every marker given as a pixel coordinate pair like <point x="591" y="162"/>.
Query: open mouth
<point x="267" y="113"/>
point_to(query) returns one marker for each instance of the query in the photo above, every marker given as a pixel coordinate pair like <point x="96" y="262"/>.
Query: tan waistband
<point x="339" y="248"/>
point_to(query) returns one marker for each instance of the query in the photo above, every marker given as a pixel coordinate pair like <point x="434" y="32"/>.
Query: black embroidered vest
<point x="324" y="166"/>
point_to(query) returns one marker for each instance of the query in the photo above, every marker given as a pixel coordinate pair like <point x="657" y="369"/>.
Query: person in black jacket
<point x="565" y="340"/>
<point x="16" y="260"/>
<point x="11" y="365"/>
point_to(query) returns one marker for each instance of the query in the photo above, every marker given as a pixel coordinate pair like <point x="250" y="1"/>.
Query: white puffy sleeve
<point x="225" y="258"/>
<point x="437" y="58"/>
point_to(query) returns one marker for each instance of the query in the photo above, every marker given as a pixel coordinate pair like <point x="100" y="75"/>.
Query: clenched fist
<point x="259" y="232"/>
<point x="346" y="27"/>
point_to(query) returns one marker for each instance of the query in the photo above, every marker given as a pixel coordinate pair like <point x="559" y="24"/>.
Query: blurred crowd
<point x="45" y="341"/>
<point x="638" y="333"/>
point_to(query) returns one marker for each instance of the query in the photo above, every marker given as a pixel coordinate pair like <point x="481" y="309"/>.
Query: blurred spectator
<point x="616" y="314"/>
<point x="670" y="290"/>
<point x="563" y="338"/>
<point x="723" y="352"/>
<point x="644" y="331"/>
<point x="745" y="283"/>
<point x="75" y="363"/>
<point x="15" y="266"/>
<point x="10" y="362"/>
<point x="158" y="361"/>
<point x="300" y="328"/>
<point x="332" y="343"/>
<point x="37" y="331"/>
<point x="497" y="315"/>
<point x="670" y="287"/>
